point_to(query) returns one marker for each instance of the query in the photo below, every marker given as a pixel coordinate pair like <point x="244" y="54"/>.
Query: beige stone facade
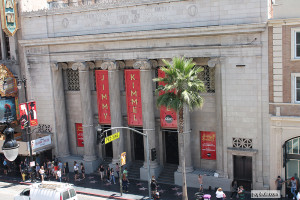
<point x="284" y="99"/>
<point x="230" y="37"/>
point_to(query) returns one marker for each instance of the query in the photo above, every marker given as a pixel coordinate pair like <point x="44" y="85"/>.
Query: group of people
<point x="78" y="167"/>
<point x="52" y="169"/>
<point x="236" y="191"/>
<point x="292" y="182"/>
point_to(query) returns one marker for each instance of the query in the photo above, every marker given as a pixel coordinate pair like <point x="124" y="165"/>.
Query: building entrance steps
<point x="167" y="174"/>
<point x="134" y="169"/>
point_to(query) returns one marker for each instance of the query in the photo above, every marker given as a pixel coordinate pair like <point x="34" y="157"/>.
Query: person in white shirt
<point x="59" y="174"/>
<point x="42" y="173"/>
<point x="220" y="194"/>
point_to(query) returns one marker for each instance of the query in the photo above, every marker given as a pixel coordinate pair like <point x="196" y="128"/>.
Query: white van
<point x="48" y="190"/>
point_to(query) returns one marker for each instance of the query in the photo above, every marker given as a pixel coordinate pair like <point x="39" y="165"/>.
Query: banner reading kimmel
<point x="102" y="87"/>
<point x="208" y="145"/>
<point x="32" y="113"/>
<point x="168" y="117"/>
<point x="133" y="97"/>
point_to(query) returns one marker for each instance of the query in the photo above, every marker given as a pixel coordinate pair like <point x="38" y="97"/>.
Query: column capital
<point x="81" y="66"/>
<point x="64" y="66"/>
<point x="54" y="66"/>
<point x="112" y="65"/>
<point x="91" y="65"/>
<point x="213" y="62"/>
<point x="145" y="64"/>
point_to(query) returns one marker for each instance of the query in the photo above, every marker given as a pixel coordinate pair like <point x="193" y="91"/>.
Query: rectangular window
<point x="297" y="47"/>
<point x="297" y="89"/>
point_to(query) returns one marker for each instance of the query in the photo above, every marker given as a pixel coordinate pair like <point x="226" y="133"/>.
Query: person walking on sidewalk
<point x="125" y="183"/>
<point x="293" y="187"/>
<point x="59" y="174"/>
<point x="279" y="182"/>
<point x="75" y="170"/>
<point x="153" y="186"/>
<point x="241" y="192"/>
<point x="125" y="172"/>
<point x="200" y="180"/>
<point x="112" y="176"/>
<point x="67" y="171"/>
<point x="118" y="169"/>
<point x="234" y="189"/>
<point x="101" y="170"/>
<point x="107" y="173"/>
<point x="220" y="194"/>
<point x="42" y="173"/>
<point x="82" y="170"/>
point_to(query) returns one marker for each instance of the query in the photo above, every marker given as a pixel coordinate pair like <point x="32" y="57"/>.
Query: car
<point x="48" y="190"/>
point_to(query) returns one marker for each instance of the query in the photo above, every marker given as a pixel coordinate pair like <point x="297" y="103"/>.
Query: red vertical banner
<point x="168" y="117"/>
<point x="79" y="133"/>
<point x="23" y="116"/>
<point x="32" y="113"/>
<point x="208" y="145"/>
<point x="133" y="97"/>
<point x="102" y="87"/>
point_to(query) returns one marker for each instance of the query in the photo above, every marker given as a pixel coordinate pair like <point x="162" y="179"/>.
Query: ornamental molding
<point x="90" y="65"/>
<point x="80" y="66"/>
<point x="108" y="64"/>
<point x="142" y="64"/>
<point x="100" y="5"/>
<point x="54" y="66"/>
<point x="213" y="62"/>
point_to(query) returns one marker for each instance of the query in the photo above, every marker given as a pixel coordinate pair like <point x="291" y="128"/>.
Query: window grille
<point x="73" y="80"/>
<point x="244" y="143"/>
<point x="208" y="78"/>
<point x="44" y="128"/>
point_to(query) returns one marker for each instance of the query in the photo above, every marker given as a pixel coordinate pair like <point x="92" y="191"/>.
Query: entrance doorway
<point x="108" y="146"/>
<point x="138" y="144"/>
<point x="171" y="144"/>
<point x="243" y="171"/>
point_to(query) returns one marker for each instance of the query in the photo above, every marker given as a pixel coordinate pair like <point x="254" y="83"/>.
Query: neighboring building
<point x="284" y="86"/>
<point x="65" y="47"/>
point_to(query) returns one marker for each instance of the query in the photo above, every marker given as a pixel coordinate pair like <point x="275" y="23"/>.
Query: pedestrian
<point x="22" y="167"/>
<point x="294" y="185"/>
<point x="49" y="168"/>
<point x="125" y="172"/>
<point x="108" y="173"/>
<point x="200" y="180"/>
<point x="60" y="165"/>
<point x="101" y="170"/>
<point x="67" y="171"/>
<point x="153" y="186"/>
<point x="5" y="165"/>
<point x="37" y="169"/>
<point x="234" y="189"/>
<point x="279" y="182"/>
<point x="220" y="194"/>
<point x="55" y="170"/>
<point x="118" y="169"/>
<point x="125" y="183"/>
<point x="241" y="192"/>
<point x="82" y="170"/>
<point x="42" y="173"/>
<point x="59" y="174"/>
<point x="298" y="195"/>
<point x="112" y="176"/>
<point x="75" y="170"/>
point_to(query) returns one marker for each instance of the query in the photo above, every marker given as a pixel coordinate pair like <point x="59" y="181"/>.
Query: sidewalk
<point x="92" y="185"/>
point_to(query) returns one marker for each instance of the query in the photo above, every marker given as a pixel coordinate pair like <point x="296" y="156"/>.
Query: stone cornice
<point x="101" y="5"/>
<point x="153" y="34"/>
<point x="288" y="21"/>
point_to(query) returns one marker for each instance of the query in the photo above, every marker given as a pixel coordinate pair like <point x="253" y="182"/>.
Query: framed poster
<point x="32" y="113"/>
<point x="79" y="134"/>
<point x="8" y="112"/>
<point x="208" y="145"/>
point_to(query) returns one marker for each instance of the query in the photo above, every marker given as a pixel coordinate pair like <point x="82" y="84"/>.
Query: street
<point x="9" y="190"/>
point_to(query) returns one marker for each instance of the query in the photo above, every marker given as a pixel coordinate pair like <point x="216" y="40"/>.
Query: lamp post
<point x="28" y="133"/>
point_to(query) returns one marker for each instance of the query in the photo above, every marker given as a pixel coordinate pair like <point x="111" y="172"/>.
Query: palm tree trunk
<point x="181" y="134"/>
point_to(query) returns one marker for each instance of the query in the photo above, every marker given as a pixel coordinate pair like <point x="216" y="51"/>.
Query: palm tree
<point x="182" y="88"/>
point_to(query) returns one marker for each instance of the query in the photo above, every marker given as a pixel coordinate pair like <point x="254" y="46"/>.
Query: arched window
<point x="292" y="157"/>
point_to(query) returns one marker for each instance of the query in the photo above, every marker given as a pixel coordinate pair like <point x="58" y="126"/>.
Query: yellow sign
<point x="112" y="137"/>
<point x="123" y="158"/>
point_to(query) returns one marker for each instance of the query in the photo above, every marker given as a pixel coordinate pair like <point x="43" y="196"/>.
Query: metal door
<point x="243" y="171"/>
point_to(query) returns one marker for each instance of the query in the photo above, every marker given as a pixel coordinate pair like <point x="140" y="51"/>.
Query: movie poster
<point x="208" y="145"/>
<point x="8" y="110"/>
<point x="79" y="132"/>
<point x="32" y="113"/>
<point x="23" y="116"/>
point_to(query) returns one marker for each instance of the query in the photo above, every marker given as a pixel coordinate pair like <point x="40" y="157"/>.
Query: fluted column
<point x="115" y="105"/>
<point x="215" y="62"/>
<point x="185" y="139"/>
<point x="89" y="135"/>
<point x="148" y="108"/>
<point x="61" y="129"/>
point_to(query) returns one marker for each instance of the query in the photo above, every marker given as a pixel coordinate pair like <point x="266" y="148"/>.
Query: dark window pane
<point x="298" y="38"/>
<point x="298" y="82"/>
<point x="295" y="146"/>
<point x="298" y="95"/>
<point x="298" y="50"/>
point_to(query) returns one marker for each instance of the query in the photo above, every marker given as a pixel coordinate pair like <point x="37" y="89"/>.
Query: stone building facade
<point x="63" y="47"/>
<point x="284" y="84"/>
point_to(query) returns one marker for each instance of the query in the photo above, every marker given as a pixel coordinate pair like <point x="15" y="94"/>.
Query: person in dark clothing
<point x="125" y="183"/>
<point x="153" y="186"/>
<point x="234" y="189"/>
<point x="67" y="171"/>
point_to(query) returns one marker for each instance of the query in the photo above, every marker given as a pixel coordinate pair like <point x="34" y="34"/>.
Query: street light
<point x="10" y="146"/>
